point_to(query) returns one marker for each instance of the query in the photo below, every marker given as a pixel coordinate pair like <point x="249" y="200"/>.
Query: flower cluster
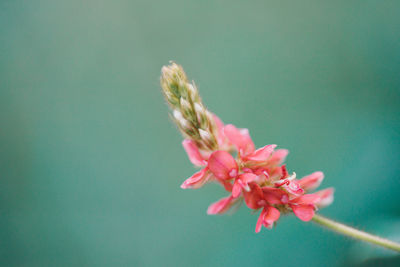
<point x="256" y="176"/>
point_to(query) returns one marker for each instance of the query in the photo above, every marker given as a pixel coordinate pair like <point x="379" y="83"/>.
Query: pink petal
<point x="260" y="221"/>
<point x="306" y="199"/>
<point x="278" y="157"/>
<point x="220" y="206"/>
<point x="271" y="216"/>
<point x="254" y="198"/>
<point x="193" y="153"/>
<point x="197" y="180"/>
<point x="247" y="177"/>
<point x="275" y="195"/>
<point x="312" y="181"/>
<point x="326" y="197"/>
<point x="303" y="212"/>
<point x="237" y="189"/>
<point x="240" y="139"/>
<point x="223" y="165"/>
<point x="267" y="218"/>
<point x="261" y="154"/>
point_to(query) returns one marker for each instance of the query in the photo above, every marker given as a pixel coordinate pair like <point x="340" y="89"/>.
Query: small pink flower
<point x="223" y="165"/>
<point x="197" y="180"/>
<point x="254" y="198"/>
<point x="242" y="183"/>
<point x="240" y="139"/>
<point x="267" y="218"/>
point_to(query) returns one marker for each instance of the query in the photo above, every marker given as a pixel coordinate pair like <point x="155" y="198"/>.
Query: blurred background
<point x="90" y="164"/>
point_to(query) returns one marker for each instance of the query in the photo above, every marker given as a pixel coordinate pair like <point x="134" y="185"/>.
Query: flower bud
<point x="190" y="115"/>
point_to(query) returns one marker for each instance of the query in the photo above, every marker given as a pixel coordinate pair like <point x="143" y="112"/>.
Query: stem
<point x="357" y="234"/>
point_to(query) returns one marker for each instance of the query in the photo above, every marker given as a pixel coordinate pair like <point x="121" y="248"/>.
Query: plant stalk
<point x="354" y="233"/>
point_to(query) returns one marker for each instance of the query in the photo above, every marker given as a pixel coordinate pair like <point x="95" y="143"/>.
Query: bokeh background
<point x="90" y="164"/>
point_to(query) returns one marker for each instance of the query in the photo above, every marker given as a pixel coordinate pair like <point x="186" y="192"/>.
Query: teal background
<point x="90" y="164"/>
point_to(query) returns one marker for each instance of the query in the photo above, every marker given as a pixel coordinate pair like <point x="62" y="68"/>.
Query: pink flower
<point x="255" y="177"/>
<point x="197" y="180"/>
<point x="254" y="198"/>
<point x="240" y="139"/>
<point x="274" y="196"/>
<point x="223" y="165"/>
<point x="304" y="206"/>
<point x="220" y="166"/>
<point x="267" y="218"/>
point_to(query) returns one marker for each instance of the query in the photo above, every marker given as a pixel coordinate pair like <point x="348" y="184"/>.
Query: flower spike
<point x="229" y="157"/>
<point x="257" y="177"/>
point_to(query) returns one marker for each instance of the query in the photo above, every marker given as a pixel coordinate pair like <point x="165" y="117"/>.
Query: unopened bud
<point x="192" y="118"/>
<point x="199" y="108"/>
<point x="205" y="135"/>
<point x="177" y="115"/>
<point x="185" y="105"/>
<point x="192" y="89"/>
<point x="208" y="139"/>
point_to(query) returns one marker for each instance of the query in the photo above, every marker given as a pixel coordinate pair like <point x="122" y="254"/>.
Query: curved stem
<point x="354" y="233"/>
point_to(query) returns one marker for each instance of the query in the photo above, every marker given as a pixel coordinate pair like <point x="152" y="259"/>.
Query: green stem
<point x="354" y="233"/>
